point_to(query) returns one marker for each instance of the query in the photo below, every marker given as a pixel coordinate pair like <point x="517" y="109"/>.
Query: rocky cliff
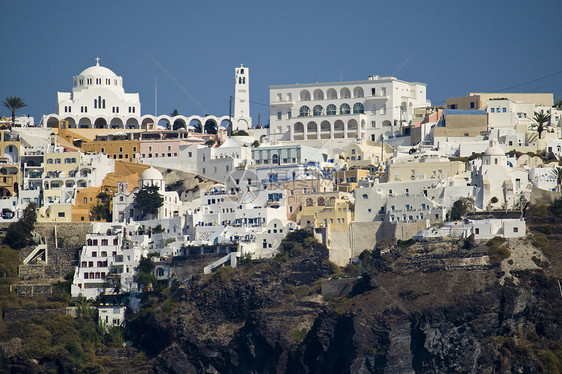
<point x="401" y="316"/>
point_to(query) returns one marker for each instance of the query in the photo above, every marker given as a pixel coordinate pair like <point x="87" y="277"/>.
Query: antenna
<point x="155" y="95"/>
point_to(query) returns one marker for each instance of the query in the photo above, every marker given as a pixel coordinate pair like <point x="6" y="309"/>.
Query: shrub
<point x="298" y="335"/>
<point x="406" y="243"/>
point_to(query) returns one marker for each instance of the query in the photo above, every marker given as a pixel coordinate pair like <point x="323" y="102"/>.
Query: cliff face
<point x="269" y="317"/>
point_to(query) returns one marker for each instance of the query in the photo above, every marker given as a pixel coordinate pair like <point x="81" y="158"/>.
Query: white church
<point x="98" y="100"/>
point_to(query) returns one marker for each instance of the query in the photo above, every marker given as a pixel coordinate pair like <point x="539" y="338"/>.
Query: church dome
<point x="151" y="174"/>
<point x="494" y="149"/>
<point x="98" y="71"/>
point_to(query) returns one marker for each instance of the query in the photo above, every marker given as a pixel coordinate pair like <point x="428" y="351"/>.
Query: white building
<point x="123" y="201"/>
<point x="98" y="100"/>
<point x="242" y="119"/>
<point x="108" y="260"/>
<point x="482" y="229"/>
<point x="502" y="186"/>
<point x="369" y="109"/>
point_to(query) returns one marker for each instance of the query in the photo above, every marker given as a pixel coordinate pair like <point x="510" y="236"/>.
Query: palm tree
<point x="174" y="113"/>
<point x="541" y="119"/>
<point x="557" y="171"/>
<point x="14" y="103"/>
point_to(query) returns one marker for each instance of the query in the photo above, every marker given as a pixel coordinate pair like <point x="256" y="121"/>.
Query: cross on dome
<point x="97" y="61"/>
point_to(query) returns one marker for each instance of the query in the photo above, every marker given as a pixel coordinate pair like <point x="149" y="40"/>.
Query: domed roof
<point x="494" y="149"/>
<point x="151" y="174"/>
<point x="99" y="71"/>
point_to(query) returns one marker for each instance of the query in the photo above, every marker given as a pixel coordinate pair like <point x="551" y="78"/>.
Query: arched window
<point x="243" y="80"/>
<point x="241" y="71"/>
<point x="345" y="109"/>
<point x="345" y="93"/>
<point x="331" y="110"/>
<point x="95" y="103"/>
<point x="304" y="111"/>
<point x="358" y="108"/>
<point x="103" y="103"/>
<point x="305" y="95"/>
<point x="318" y="95"/>
<point x="357" y="92"/>
<point x="317" y="110"/>
<point x="275" y="159"/>
<point x="332" y="94"/>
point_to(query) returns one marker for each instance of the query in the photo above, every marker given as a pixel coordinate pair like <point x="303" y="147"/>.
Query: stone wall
<point x="23" y="314"/>
<point x="337" y="287"/>
<point x="31" y="271"/>
<point x="33" y="290"/>
<point x="363" y="236"/>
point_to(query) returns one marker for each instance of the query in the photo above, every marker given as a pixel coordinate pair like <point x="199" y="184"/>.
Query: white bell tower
<point x="241" y="119"/>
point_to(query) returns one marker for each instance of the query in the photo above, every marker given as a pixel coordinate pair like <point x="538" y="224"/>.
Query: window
<point x="304" y="111"/>
<point x="504" y="110"/>
<point x="331" y="110"/>
<point x="477" y="231"/>
<point x="345" y="109"/>
<point x="61" y="214"/>
<point x="358" y="108"/>
<point x="472" y="105"/>
<point x="317" y="110"/>
<point x="492" y="110"/>
<point x="516" y="229"/>
<point x="279" y="114"/>
<point x="104" y="242"/>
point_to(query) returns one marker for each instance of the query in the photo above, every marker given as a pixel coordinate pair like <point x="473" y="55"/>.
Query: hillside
<point x="430" y="307"/>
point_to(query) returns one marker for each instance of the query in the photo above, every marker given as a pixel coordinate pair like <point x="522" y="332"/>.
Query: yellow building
<point x="480" y="100"/>
<point x="424" y="168"/>
<point x="55" y="213"/>
<point x="125" y="147"/>
<point x="297" y="191"/>
<point x="86" y="198"/>
<point x="461" y="123"/>
<point x="367" y="155"/>
<point x="313" y="203"/>
<point x="9" y="163"/>
<point x="346" y="180"/>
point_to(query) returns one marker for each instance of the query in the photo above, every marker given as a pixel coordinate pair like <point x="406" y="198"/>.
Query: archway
<point x="211" y="127"/>
<point x="53" y="122"/>
<point x="164" y="123"/>
<point x="100" y="123"/>
<point x="116" y="123"/>
<point x="179" y="124"/>
<point x="132" y="123"/>
<point x="85" y="123"/>
<point x="195" y="125"/>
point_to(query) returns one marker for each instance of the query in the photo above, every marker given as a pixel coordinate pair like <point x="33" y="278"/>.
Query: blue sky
<point x="454" y="47"/>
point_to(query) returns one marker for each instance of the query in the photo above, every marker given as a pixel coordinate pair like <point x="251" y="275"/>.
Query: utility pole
<point x="230" y="116"/>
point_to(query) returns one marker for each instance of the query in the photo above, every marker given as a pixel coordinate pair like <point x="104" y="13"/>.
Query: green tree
<point x="541" y="119"/>
<point x="174" y="113"/>
<point x="14" y="103"/>
<point x="102" y="210"/>
<point x="460" y="208"/>
<point x="210" y="127"/>
<point x="144" y="271"/>
<point x="148" y="200"/>
<point x="240" y="133"/>
<point x="256" y="144"/>
<point x="19" y="234"/>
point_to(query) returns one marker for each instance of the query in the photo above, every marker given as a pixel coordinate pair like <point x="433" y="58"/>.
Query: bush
<point x="298" y="335"/>
<point x="556" y="207"/>
<point x="497" y="252"/>
<point x="406" y="243"/>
